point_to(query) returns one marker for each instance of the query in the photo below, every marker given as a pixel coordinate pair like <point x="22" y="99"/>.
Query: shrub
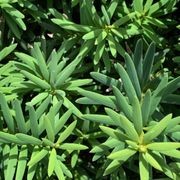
<point x="89" y="89"/>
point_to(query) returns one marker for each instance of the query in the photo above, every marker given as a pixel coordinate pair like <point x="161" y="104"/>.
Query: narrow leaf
<point x="137" y="115"/>
<point x="39" y="82"/>
<point x="22" y="161"/>
<point x="52" y="162"/>
<point x="19" y="117"/>
<point x="163" y="146"/>
<point x="148" y="63"/>
<point x="103" y="119"/>
<point x="157" y="129"/>
<point x="131" y="70"/>
<point x="143" y="168"/>
<point x="72" y="146"/>
<point x="38" y="157"/>
<point x="126" y="82"/>
<point x="13" y="159"/>
<point x="66" y="133"/>
<point x="122" y="155"/>
<point x="6" y="113"/>
<point x="26" y="139"/>
<point x="49" y="128"/>
<point x="7" y="50"/>
<point x="150" y="159"/>
<point x="33" y="121"/>
<point x="98" y="97"/>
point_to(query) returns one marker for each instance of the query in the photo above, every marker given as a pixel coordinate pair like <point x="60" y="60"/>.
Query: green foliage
<point x="76" y="102"/>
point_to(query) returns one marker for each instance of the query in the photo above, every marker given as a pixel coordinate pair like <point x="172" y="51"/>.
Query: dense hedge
<point x="89" y="89"/>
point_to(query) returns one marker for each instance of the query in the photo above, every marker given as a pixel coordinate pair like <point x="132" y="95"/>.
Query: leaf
<point x="6" y="113"/>
<point x="32" y="169"/>
<point x="143" y="168"/>
<point x="147" y="5"/>
<point x="150" y="159"/>
<point x="85" y="48"/>
<point x="101" y="37"/>
<point x="99" y="52"/>
<point x="104" y="100"/>
<point x="171" y="87"/>
<point x="155" y="22"/>
<point x="157" y="94"/>
<point x="73" y="146"/>
<point x="85" y="100"/>
<point x="39" y="82"/>
<point x="41" y="61"/>
<point x="138" y="5"/>
<point x="124" y="123"/>
<point x="171" y="153"/>
<point x="22" y="160"/>
<point x="112" y="44"/>
<point x="126" y="82"/>
<point x="156" y="6"/>
<point x="145" y="107"/>
<point x="137" y="116"/>
<point x="38" y="98"/>
<point x="43" y="106"/>
<point x="148" y="63"/>
<point x="123" y="19"/>
<point x="64" y="74"/>
<point x="71" y="106"/>
<point x="92" y="34"/>
<point x="104" y="79"/>
<point x="108" y="144"/>
<point x="65" y="170"/>
<point x="49" y="128"/>
<point x="112" y="167"/>
<point x="11" y="167"/>
<point x="122" y="103"/>
<point x="61" y="122"/>
<point x="133" y="144"/>
<point x="58" y="171"/>
<point x="118" y="135"/>
<point x="157" y="129"/>
<point x="38" y="157"/>
<point x="5" y="157"/>
<point x="10" y="138"/>
<point x="162" y="162"/>
<point x="131" y="70"/>
<point x="12" y="11"/>
<point x="73" y="85"/>
<point x="66" y="133"/>
<point x="7" y="50"/>
<point x="103" y="119"/>
<point x="74" y="158"/>
<point x="163" y="146"/>
<point x="93" y="13"/>
<point x="63" y="23"/>
<point x="172" y="99"/>
<point x="138" y="58"/>
<point x="47" y="142"/>
<point x="26" y="139"/>
<point x="33" y="121"/>
<point x="118" y="33"/>
<point x="12" y="25"/>
<point x="174" y="122"/>
<point x="150" y="34"/>
<point x="105" y="17"/>
<point x="20" y="23"/>
<point x="52" y="162"/>
<point x="122" y="155"/>
<point x="112" y="8"/>
<point x="19" y="117"/>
